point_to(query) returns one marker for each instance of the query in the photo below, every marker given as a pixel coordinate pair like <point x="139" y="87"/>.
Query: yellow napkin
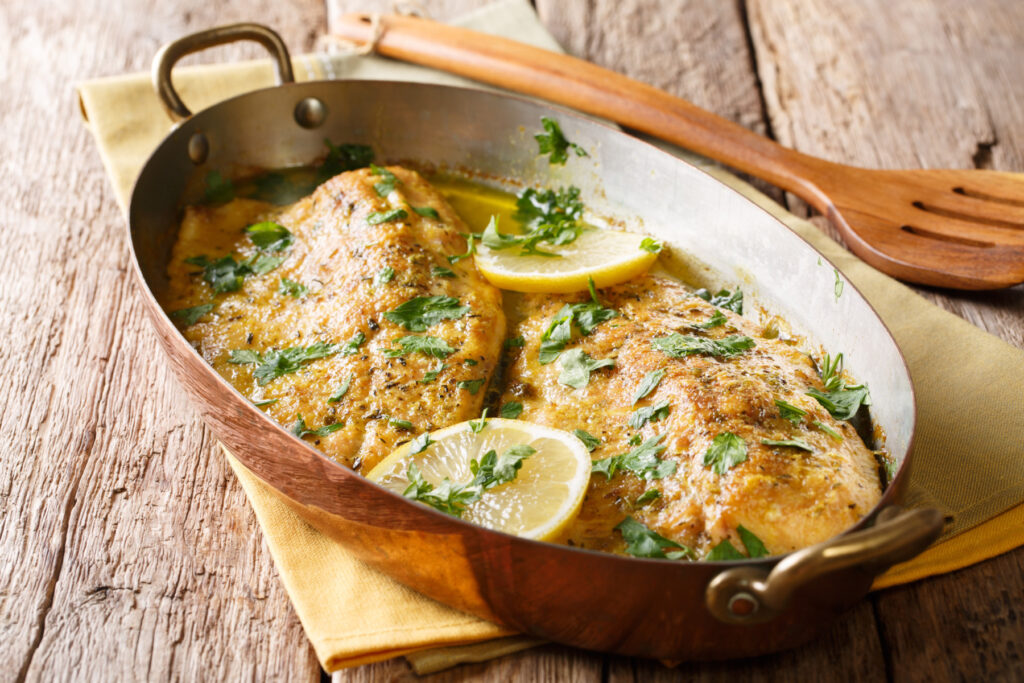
<point x="969" y="460"/>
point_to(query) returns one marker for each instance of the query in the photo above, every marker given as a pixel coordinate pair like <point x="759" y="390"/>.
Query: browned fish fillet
<point x="342" y="259"/>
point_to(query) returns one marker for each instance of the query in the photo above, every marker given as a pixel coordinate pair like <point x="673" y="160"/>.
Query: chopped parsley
<point x="716" y="320"/>
<point x="341" y="391"/>
<point x="470" y="250"/>
<point x="190" y="316"/>
<point x="588" y="439"/>
<point x="646" y="497"/>
<point x="294" y="289"/>
<point x="341" y="158"/>
<point x="441" y="271"/>
<point x="452" y="499"/>
<point x="642" y="542"/>
<point x="384" y="276"/>
<point x="427" y="212"/>
<point x="554" y="143"/>
<point x="642" y="416"/>
<point x="399" y="423"/>
<point x="351" y="347"/>
<point x="300" y="429"/>
<point x="732" y="301"/>
<point x="790" y="412"/>
<point x="416" y="315"/>
<point x="511" y="410"/>
<point x="478" y="426"/>
<point x="384" y="187"/>
<point x="378" y="217"/>
<point x="648" y="384"/>
<point x="226" y="275"/>
<point x="726" y="451"/>
<point x="677" y="345"/>
<point x="277" y="363"/>
<point x="265" y="402"/>
<point x="642" y="461"/>
<point x="585" y="316"/>
<point x="470" y="385"/>
<point x="551" y="216"/>
<point x="219" y="189"/>
<point x="828" y="430"/>
<point x="727" y="551"/>
<point x="792" y="443"/>
<point x="270" y="236"/>
<point x="651" y="245"/>
<point x="515" y="342"/>
<point x="430" y="375"/>
<point x="420" y="443"/>
<point x="428" y="346"/>
<point x="577" y="366"/>
<point x="841" y="400"/>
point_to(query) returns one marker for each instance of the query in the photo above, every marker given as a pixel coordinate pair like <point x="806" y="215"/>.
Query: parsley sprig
<point x="726" y="451"/>
<point x="841" y="400"/>
<point x="554" y="143"/>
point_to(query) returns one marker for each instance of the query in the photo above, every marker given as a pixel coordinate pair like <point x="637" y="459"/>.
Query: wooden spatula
<point x="948" y="228"/>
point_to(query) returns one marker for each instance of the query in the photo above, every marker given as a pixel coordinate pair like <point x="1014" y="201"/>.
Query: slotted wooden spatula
<point x="949" y="228"/>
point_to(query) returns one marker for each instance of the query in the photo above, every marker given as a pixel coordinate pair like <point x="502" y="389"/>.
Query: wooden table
<point x="127" y="549"/>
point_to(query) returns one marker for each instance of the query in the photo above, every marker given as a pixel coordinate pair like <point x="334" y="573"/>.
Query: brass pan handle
<point x="749" y="595"/>
<point x="170" y="53"/>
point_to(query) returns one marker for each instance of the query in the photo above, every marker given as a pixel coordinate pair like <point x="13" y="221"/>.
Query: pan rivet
<point x="310" y="112"/>
<point x="198" y="148"/>
<point x="743" y="605"/>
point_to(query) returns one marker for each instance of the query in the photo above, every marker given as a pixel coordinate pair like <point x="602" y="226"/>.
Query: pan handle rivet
<point x="198" y="148"/>
<point x="310" y="112"/>
<point x="743" y="605"/>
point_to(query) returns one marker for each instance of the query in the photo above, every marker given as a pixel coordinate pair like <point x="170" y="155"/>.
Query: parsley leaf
<point x="470" y="385"/>
<point x="416" y="315"/>
<point x="384" y="276"/>
<point x="717" y="319"/>
<point x="430" y="375"/>
<point x="515" y="342"/>
<point x="677" y="345"/>
<point x="478" y="426"/>
<point x="793" y="443"/>
<point x="224" y="275"/>
<point x="651" y="245"/>
<point x="577" y="366"/>
<point x="399" y="423"/>
<point x="724" y="551"/>
<point x="219" y="189"/>
<point x="441" y="271"/>
<point x="351" y="347"/>
<point x="642" y="416"/>
<point x="554" y="143"/>
<point x="839" y="399"/>
<point x="586" y="316"/>
<point x="648" y="384"/>
<point x="727" y="551"/>
<point x="428" y="346"/>
<point x="732" y="301"/>
<point x="789" y="411"/>
<point x="277" y="363"/>
<point x="378" y="217"/>
<point x="341" y="158"/>
<point x="492" y="470"/>
<point x="265" y="402"/>
<point x="300" y="429"/>
<point x="292" y="288"/>
<point x="642" y="542"/>
<point x="588" y="439"/>
<point x="726" y="451"/>
<point x="420" y="443"/>
<point x="549" y="216"/>
<point x="753" y="544"/>
<point x="641" y="461"/>
<point x="387" y="185"/>
<point x="342" y="390"/>
<point x="511" y="410"/>
<point x="190" y="316"/>
<point x="470" y="250"/>
<point x="828" y="430"/>
<point x="270" y="236"/>
<point x="427" y="212"/>
<point x="646" y="497"/>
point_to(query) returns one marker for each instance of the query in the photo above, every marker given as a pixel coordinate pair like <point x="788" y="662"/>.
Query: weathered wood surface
<point x="127" y="550"/>
<point x="126" y="547"/>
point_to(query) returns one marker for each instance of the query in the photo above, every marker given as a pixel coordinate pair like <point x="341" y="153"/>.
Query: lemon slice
<point x="540" y="502"/>
<point x="607" y="256"/>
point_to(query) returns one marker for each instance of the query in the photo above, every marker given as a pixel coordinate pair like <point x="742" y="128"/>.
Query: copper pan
<point x="652" y="608"/>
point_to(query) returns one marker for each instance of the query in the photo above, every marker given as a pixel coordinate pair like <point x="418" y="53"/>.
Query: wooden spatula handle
<point x="581" y="85"/>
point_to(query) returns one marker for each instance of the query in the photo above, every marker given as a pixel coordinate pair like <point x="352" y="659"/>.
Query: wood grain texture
<point x="128" y="551"/>
<point x="900" y="85"/>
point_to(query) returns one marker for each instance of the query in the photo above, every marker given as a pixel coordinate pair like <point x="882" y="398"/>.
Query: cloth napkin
<point x="969" y="458"/>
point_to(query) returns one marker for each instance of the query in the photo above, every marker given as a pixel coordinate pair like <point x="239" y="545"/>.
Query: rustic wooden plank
<point x="900" y="84"/>
<point x="128" y="551"/>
